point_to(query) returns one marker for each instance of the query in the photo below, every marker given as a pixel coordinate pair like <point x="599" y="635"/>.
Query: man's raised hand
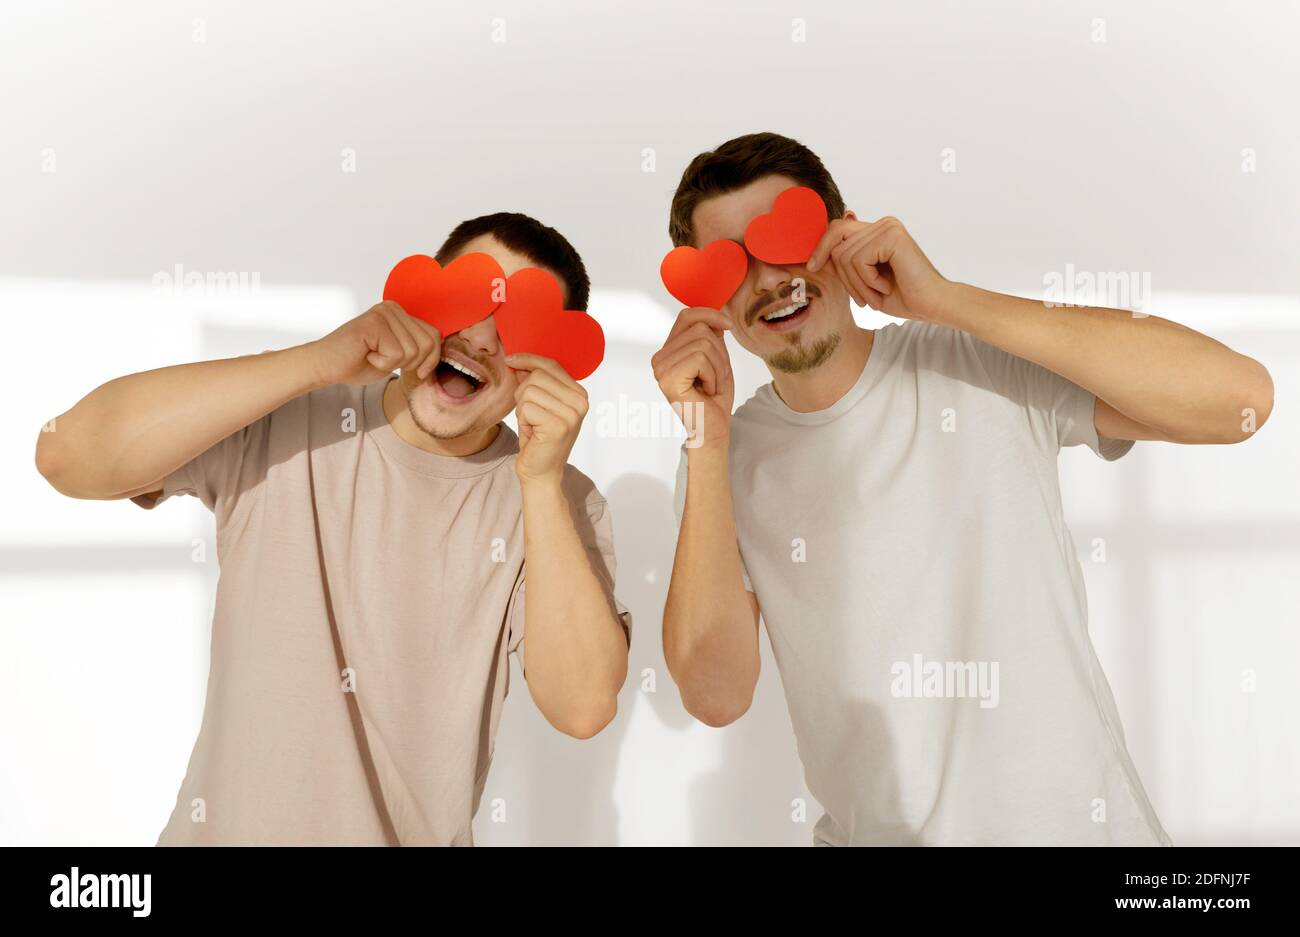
<point x="693" y="370"/>
<point x="374" y="344"/>
<point x="549" y="407"/>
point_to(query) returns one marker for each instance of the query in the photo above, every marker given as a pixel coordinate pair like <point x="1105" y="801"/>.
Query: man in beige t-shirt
<point x="383" y="542"/>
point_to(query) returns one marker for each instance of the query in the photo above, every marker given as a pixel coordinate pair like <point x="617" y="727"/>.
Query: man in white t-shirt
<point x="890" y="505"/>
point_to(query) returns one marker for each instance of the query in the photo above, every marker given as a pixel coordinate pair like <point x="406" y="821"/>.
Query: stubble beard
<point x="799" y="358"/>
<point x="424" y="426"/>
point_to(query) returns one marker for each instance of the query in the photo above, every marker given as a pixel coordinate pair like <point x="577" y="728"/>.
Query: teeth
<point x="783" y="312"/>
<point x="468" y="372"/>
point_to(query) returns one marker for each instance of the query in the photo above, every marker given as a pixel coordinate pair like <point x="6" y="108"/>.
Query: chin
<point x="436" y="419"/>
<point x="442" y="419"/>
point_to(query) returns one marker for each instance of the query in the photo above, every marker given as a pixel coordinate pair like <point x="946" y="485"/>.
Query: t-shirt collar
<point x="429" y="463"/>
<point x="767" y="393"/>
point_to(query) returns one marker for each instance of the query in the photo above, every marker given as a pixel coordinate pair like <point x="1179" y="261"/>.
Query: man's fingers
<point x="700" y="331"/>
<point x="523" y="361"/>
<point x="546" y="374"/>
<point x="696" y="331"/>
<point x="530" y="415"/>
<point x="849" y="275"/>
<point x="427" y="329"/>
<point x="863" y="295"/>
<point x="855" y="261"/>
<point x="395" y="318"/>
<point x="386" y="352"/>
<point x="564" y="388"/>
<point x="836" y="232"/>
<point x="709" y="345"/>
<point x="544" y="399"/>
<point x="691" y="367"/>
<point x="869" y="247"/>
<point x="688" y="317"/>
<point x="419" y="336"/>
<point x="547" y="416"/>
<point x="432" y="347"/>
<point x="691" y="364"/>
<point x="378" y="362"/>
<point x="876" y="248"/>
<point x="706" y="373"/>
<point x="716" y="354"/>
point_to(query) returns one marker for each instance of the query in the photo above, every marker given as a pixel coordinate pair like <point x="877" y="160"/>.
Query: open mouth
<point x="786" y="317"/>
<point x="457" y="380"/>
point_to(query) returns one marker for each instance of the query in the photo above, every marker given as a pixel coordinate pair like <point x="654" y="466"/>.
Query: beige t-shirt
<point x="370" y="594"/>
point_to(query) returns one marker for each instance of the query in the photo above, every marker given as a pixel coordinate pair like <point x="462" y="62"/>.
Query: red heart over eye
<point x="790" y="231"/>
<point x="449" y="298"/>
<point x="533" y="320"/>
<point x="706" y="277"/>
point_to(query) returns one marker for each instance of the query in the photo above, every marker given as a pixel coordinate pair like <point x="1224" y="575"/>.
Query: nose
<point x="767" y="277"/>
<point x="482" y="336"/>
<point x="763" y="279"/>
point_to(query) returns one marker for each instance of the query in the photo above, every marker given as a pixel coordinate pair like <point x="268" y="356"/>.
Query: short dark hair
<point x="528" y="236"/>
<point x="738" y="162"/>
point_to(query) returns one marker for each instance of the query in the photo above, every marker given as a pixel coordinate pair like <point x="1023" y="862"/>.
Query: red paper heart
<point x="706" y="277"/>
<point x="449" y="298"/>
<point x="533" y="320"/>
<point x="788" y="233"/>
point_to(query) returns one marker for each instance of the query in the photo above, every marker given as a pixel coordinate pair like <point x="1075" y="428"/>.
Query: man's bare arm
<point x="126" y="436"/>
<point x="1153" y="378"/>
<point x="575" y="648"/>
<point x="710" y="620"/>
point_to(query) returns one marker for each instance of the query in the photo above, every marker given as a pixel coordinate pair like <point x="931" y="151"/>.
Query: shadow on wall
<point x="756" y="794"/>
<point x="559" y="790"/>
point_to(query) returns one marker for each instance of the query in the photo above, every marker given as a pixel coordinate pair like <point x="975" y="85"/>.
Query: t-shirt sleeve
<point x="221" y="474"/>
<point x="596" y="531"/>
<point x="679" y="507"/>
<point x="1060" y="412"/>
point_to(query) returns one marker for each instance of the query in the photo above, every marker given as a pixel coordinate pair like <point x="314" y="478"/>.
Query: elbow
<point x="587" y="721"/>
<point x="715" y="702"/>
<point x="717" y="712"/>
<point x="1239" y="409"/>
<point x="60" y="464"/>
<point x="1255" y="398"/>
<point x="51" y="458"/>
<point x="714" y="699"/>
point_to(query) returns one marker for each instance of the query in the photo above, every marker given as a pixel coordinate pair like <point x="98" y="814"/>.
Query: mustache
<point x="763" y="303"/>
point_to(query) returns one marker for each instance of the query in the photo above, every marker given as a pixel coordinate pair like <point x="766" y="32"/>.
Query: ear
<point x="850" y="216"/>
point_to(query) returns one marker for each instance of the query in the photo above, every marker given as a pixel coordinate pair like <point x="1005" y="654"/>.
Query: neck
<point x="808" y="391"/>
<point x="399" y="417"/>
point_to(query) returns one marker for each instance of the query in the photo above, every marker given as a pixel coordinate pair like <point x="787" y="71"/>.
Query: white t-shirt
<point x="925" y="603"/>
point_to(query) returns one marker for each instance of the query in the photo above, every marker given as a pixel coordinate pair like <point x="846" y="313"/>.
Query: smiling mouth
<point x="456" y="380"/>
<point x="786" y="316"/>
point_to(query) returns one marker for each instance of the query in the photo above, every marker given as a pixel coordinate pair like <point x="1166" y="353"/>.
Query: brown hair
<point x="739" y="162"/>
<point x="528" y="236"/>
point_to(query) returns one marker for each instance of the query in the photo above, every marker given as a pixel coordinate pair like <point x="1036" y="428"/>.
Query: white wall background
<point x="212" y="136"/>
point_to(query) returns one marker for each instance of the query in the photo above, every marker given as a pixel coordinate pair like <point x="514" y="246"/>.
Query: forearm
<point x="710" y="636"/>
<point x="575" y="648"/>
<point x="136" y="429"/>
<point x="1186" y="385"/>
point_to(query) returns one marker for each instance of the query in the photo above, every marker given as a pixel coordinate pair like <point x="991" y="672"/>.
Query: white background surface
<point x="226" y="155"/>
